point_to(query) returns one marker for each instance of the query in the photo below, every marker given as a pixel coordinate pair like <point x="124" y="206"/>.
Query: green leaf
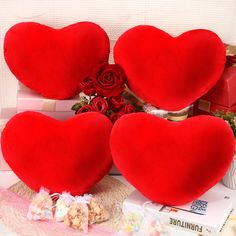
<point x="109" y="112"/>
<point x="76" y="107"/>
<point x="230" y="117"/>
<point x="83" y="101"/>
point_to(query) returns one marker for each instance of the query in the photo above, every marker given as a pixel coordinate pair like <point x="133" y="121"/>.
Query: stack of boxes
<point x="222" y="97"/>
<point x="28" y="100"/>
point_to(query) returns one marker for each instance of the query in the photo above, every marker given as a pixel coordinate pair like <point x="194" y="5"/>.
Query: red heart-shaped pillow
<point x="172" y="163"/>
<point x="69" y="155"/>
<point x="170" y="73"/>
<point x="54" y="61"/>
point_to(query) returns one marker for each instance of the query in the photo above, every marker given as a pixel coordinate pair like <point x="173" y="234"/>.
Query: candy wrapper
<point x="62" y="206"/>
<point x="97" y="212"/>
<point x="41" y="206"/>
<point x="77" y="215"/>
<point x="152" y="226"/>
<point x="77" y="212"/>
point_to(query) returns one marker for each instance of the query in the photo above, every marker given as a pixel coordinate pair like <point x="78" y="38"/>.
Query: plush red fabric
<point x="170" y="73"/>
<point x="54" y="61"/>
<point x="69" y="155"/>
<point x="172" y="163"/>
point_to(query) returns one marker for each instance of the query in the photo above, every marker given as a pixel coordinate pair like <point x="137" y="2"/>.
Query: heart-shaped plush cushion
<point x="170" y="73"/>
<point x="54" y="61"/>
<point x="69" y="155"/>
<point x="172" y="163"/>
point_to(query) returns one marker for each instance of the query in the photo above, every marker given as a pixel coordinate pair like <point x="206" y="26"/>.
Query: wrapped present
<point x="28" y="100"/>
<point x="224" y="92"/>
<point x="77" y="216"/>
<point x="204" y="216"/>
<point x="41" y="206"/>
<point x="62" y="206"/>
<point x="222" y="97"/>
<point x="5" y="115"/>
<point x="206" y="107"/>
<point x="97" y="212"/>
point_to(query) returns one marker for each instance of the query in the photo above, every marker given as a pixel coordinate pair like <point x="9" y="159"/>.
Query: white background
<point x="115" y="16"/>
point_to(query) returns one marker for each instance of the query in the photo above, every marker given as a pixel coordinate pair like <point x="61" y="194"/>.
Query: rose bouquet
<point x="104" y="92"/>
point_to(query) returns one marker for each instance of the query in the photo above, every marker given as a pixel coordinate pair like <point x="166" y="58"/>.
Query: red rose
<point x="85" y="108"/>
<point x="99" y="104"/>
<point x="115" y="116"/>
<point x="128" y="108"/>
<point x="87" y="86"/>
<point x="230" y="60"/>
<point x="116" y="103"/>
<point x="109" y="80"/>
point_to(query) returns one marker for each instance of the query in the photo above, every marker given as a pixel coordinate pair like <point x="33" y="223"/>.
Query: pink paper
<point x="30" y="100"/>
<point x="58" y="115"/>
<point x="7" y="112"/>
<point x="13" y="211"/>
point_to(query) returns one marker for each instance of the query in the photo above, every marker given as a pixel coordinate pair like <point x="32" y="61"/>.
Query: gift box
<point x="224" y="92"/>
<point x="28" y="100"/>
<point x="206" y="107"/>
<point x="222" y="97"/>
<point x="5" y="115"/>
<point x="204" y="216"/>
